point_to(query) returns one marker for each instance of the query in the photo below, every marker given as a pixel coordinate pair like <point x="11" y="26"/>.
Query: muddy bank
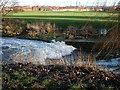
<point x="57" y="77"/>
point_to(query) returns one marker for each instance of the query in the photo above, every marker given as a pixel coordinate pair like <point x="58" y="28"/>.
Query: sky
<point x="66" y="2"/>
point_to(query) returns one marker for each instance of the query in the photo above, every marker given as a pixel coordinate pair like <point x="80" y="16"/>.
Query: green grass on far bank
<point x="64" y="19"/>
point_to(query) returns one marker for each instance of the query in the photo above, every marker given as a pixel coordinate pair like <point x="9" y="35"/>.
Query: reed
<point x="111" y="44"/>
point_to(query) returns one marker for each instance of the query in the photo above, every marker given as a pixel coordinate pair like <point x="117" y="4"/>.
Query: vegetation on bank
<point x="57" y="77"/>
<point x="21" y="29"/>
<point x="50" y="25"/>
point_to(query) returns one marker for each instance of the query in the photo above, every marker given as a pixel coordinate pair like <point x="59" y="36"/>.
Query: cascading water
<point x="38" y="52"/>
<point x="22" y="50"/>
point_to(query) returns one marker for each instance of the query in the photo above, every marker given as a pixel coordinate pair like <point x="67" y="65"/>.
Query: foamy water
<point x="22" y="50"/>
<point x="38" y="52"/>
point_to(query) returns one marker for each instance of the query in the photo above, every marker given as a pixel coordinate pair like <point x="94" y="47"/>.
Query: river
<point x="41" y="52"/>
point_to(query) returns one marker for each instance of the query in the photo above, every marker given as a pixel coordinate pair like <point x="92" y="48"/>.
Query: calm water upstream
<point x="22" y="50"/>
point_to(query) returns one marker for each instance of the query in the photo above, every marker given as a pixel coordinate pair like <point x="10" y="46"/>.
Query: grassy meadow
<point x="62" y="19"/>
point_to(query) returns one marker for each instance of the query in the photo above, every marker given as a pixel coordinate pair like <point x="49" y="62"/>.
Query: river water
<point x="40" y="52"/>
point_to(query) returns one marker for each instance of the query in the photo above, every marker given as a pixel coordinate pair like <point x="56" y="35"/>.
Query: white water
<point x="111" y="65"/>
<point x="22" y="50"/>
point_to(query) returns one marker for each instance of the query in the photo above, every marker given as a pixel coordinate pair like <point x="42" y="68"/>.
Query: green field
<point x="64" y="19"/>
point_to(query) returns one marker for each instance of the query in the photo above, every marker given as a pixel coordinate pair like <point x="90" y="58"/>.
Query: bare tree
<point x="7" y="6"/>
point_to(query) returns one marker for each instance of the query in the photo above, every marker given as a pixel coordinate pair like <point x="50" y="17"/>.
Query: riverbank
<point x="57" y="77"/>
